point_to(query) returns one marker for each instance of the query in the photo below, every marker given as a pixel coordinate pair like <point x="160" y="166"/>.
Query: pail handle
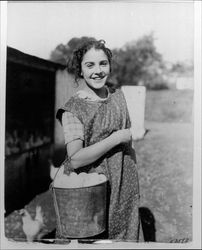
<point x="67" y="166"/>
<point x="66" y="163"/>
<point x="59" y="225"/>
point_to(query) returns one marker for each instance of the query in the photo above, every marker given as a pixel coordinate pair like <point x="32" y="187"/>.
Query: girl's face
<point x="95" y="68"/>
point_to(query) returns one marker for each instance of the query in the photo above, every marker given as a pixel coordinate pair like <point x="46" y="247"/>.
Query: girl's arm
<point x="84" y="156"/>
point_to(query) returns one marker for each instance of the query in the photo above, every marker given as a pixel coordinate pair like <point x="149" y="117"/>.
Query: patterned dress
<point x="101" y="118"/>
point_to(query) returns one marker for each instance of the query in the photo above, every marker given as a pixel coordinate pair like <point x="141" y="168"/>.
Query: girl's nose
<point x="97" y="70"/>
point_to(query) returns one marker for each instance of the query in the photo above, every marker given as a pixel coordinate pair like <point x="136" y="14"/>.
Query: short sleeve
<point x="72" y="127"/>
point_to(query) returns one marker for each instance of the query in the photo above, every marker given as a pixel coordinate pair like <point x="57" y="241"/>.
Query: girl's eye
<point x="104" y="63"/>
<point x="89" y="65"/>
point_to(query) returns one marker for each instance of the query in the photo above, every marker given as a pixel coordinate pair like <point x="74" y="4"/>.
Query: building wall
<point x="30" y="98"/>
<point x="64" y="89"/>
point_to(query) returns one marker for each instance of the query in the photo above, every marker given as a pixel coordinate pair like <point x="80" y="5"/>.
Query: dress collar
<point x="85" y="95"/>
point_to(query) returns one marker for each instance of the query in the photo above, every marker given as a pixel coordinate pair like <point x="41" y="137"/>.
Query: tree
<point x="131" y="63"/>
<point x="182" y="67"/>
<point x="62" y="52"/>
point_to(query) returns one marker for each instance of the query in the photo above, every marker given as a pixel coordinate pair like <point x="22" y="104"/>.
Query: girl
<point x="97" y="134"/>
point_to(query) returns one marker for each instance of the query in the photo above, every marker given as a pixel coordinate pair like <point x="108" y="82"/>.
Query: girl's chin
<point x="97" y="84"/>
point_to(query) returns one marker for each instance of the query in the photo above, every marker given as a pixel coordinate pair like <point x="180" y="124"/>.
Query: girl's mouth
<point x="99" y="76"/>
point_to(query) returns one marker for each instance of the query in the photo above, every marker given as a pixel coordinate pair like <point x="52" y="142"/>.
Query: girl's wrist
<point x="115" y="139"/>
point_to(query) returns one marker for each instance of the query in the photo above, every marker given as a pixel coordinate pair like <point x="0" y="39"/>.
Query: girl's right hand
<point x="122" y="136"/>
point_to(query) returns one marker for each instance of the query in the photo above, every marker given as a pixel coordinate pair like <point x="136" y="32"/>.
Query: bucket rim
<point x="79" y="187"/>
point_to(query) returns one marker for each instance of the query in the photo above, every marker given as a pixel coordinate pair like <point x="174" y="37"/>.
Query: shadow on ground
<point x="148" y="224"/>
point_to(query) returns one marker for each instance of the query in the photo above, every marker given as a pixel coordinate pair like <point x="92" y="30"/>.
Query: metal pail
<point x="80" y="212"/>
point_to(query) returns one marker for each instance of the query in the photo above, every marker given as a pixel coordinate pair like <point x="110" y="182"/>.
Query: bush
<point x="156" y="84"/>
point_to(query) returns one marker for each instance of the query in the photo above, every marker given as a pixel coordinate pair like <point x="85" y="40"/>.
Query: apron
<point x="100" y="118"/>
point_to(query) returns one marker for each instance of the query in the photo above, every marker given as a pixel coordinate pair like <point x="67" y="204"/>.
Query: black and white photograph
<point x="100" y="124"/>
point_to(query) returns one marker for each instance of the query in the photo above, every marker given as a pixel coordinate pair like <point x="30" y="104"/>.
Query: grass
<point x="169" y="106"/>
<point x="165" y="160"/>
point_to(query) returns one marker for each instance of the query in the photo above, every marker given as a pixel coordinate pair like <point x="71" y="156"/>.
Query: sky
<point x="37" y="28"/>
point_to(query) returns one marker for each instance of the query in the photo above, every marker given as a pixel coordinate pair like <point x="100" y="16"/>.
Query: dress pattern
<point x="100" y="118"/>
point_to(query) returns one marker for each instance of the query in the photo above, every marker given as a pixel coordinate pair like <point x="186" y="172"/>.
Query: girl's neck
<point x="101" y="93"/>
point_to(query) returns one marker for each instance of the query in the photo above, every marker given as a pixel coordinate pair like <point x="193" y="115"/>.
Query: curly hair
<point x="74" y="63"/>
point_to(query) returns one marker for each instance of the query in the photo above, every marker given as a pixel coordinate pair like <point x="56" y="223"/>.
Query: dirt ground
<point x="165" y="162"/>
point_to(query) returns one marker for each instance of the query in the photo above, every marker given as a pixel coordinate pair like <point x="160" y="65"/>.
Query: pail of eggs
<point x="80" y="202"/>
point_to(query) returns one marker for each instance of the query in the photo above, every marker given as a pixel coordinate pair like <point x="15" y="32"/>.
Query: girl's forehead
<point x="94" y="55"/>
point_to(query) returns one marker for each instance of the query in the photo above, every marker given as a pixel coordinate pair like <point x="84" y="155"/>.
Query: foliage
<point x="156" y="83"/>
<point x="62" y="52"/>
<point x="182" y="67"/>
<point x="138" y="63"/>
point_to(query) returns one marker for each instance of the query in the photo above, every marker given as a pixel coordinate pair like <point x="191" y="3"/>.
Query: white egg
<point x="80" y="180"/>
<point x="73" y="181"/>
<point x="62" y="181"/>
<point x="83" y="174"/>
<point x="102" y="178"/>
<point x="91" y="175"/>
<point x="73" y="174"/>
<point x="77" y="181"/>
<point x="57" y="182"/>
<point x="92" y="181"/>
<point x="86" y="183"/>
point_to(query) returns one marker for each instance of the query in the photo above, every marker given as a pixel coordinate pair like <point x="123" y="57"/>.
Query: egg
<point x="82" y="174"/>
<point x="81" y="178"/>
<point x="102" y="178"/>
<point x="93" y="174"/>
<point x="73" y="175"/>
<point x="78" y="180"/>
<point x="91" y="179"/>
